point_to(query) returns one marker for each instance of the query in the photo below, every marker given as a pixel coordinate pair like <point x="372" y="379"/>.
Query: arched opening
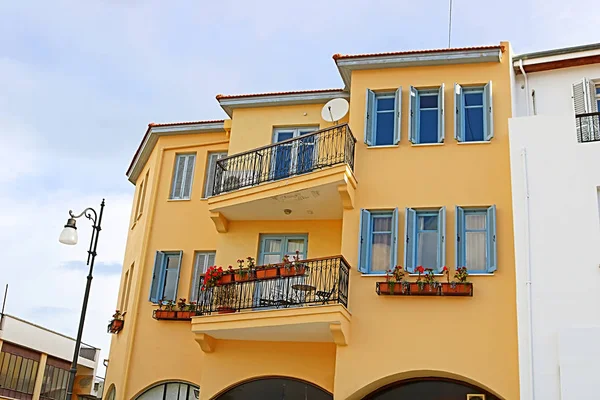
<point x="171" y="391"/>
<point x="431" y="389"/>
<point x="111" y="393"/>
<point x="275" y="388"/>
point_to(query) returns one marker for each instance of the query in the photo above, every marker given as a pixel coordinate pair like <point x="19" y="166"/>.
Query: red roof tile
<point x="400" y="53"/>
<point x="235" y="96"/>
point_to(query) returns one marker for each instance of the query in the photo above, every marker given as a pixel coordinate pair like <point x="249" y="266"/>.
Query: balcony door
<point x="294" y="157"/>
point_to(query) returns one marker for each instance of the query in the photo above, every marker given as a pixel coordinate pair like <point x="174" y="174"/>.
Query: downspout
<point x="526" y="85"/>
<point x="528" y="282"/>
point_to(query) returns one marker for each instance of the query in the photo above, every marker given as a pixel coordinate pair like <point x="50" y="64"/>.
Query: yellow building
<point x="415" y="174"/>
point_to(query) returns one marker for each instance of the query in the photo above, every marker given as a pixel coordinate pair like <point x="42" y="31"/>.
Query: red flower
<point x="445" y="269"/>
<point x="420" y="269"/>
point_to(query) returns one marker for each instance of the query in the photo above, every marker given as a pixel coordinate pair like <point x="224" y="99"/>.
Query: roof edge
<point x="557" y="52"/>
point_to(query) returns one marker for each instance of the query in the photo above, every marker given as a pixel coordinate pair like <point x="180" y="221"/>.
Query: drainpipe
<point x="528" y="282"/>
<point x="526" y="84"/>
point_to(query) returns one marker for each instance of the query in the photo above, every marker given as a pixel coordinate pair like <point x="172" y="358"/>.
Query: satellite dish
<point x="335" y="110"/>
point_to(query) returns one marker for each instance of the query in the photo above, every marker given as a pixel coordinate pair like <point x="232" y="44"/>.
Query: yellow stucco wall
<point x="473" y="339"/>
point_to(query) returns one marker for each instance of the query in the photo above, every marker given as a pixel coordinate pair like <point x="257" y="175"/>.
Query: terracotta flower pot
<point x="164" y="314"/>
<point x="266" y="273"/>
<point x="225" y="310"/>
<point x="243" y="278"/>
<point x="427" y="289"/>
<point x="292" y="271"/>
<point x="458" y="289"/>
<point x="185" y="314"/>
<point x="225" y="279"/>
<point x="116" y="325"/>
<point x="393" y="288"/>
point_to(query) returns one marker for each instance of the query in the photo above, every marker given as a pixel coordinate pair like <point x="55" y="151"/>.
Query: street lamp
<point x="69" y="236"/>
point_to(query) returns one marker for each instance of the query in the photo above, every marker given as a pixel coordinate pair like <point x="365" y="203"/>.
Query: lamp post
<point x="68" y="236"/>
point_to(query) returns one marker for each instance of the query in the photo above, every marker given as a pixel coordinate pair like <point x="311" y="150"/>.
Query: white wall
<point x="40" y="339"/>
<point x="552" y="90"/>
<point x="564" y="248"/>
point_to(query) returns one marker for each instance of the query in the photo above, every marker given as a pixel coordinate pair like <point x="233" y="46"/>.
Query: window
<point x="128" y="288"/>
<point x="476" y="239"/>
<point x="54" y="386"/>
<point x="383" y="117"/>
<point x="598" y="96"/>
<point x="425" y="239"/>
<point x="202" y="261"/>
<point x="165" y="277"/>
<point x="294" y="157"/>
<point x="171" y="391"/>
<point x="274" y="247"/>
<point x="209" y="181"/>
<point x="124" y="289"/>
<point x="378" y="247"/>
<point x="139" y="207"/>
<point x="586" y="100"/>
<point x="426" y="115"/>
<point x="110" y="395"/>
<point x="183" y="176"/>
<point x="473" y="121"/>
<point x="17" y="372"/>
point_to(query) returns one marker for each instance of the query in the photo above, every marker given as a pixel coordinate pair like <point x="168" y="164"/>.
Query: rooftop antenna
<point x="3" y="304"/>
<point x="450" y="25"/>
<point x="334" y="110"/>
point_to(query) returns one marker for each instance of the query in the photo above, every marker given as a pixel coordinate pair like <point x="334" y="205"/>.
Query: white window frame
<point x="189" y="157"/>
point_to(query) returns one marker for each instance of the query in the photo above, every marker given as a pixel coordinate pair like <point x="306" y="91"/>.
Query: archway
<point x="431" y="389"/>
<point x="275" y="388"/>
<point x="170" y="391"/>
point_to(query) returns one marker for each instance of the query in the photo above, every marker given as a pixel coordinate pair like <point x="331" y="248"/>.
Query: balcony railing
<point x="287" y="158"/>
<point x="309" y="282"/>
<point x="588" y="127"/>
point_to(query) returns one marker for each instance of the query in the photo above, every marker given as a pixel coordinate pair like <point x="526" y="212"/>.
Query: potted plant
<point x="266" y="272"/>
<point x="116" y="324"/>
<point x="227" y="276"/>
<point x="166" y="310"/>
<point x="292" y="267"/>
<point x="459" y="285"/>
<point x="426" y="286"/>
<point x="186" y="311"/>
<point x="243" y="274"/>
<point x="394" y="282"/>
<point x="226" y="299"/>
<point x="212" y="276"/>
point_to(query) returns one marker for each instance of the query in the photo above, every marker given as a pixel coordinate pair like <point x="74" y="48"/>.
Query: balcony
<point x="588" y="127"/>
<point x="304" y="303"/>
<point x="308" y="177"/>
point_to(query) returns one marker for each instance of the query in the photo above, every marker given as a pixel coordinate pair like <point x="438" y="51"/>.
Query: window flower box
<point x="292" y="271"/>
<point x="393" y="288"/>
<point x="424" y="289"/>
<point x="225" y="279"/>
<point x="457" y="289"/>
<point x="164" y="314"/>
<point x="266" y="273"/>
<point x="115" y="326"/>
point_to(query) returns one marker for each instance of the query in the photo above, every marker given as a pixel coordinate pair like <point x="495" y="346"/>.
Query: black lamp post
<point x="69" y="236"/>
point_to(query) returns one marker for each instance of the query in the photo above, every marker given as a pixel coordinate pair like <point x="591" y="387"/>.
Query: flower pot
<point x="243" y="278"/>
<point x="292" y="271"/>
<point x="266" y="273"/>
<point x="393" y="288"/>
<point x="164" y="314"/>
<point x="427" y="289"/>
<point x="458" y="289"/>
<point x="225" y="279"/>
<point x="116" y="325"/>
<point x="225" y="310"/>
<point x="185" y="314"/>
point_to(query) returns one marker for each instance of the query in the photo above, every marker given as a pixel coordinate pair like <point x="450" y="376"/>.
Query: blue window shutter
<point x="369" y="117"/>
<point x="413" y="114"/>
<point x="458" y="110"/>
<point x="492" y="256"/>
<point x="441" y="124"/>
<point x="395" y="237"/>
<point x="155" y="288"/>
<point x="488" y="110"/>
<point x="460" y="233"/>
<point x="363" y="241"/>
<point x="398" y="115"/>
<point x="409" y="232"/>
<point x="441" y="238"/>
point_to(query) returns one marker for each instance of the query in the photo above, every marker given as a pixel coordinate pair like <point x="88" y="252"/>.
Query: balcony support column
<point x="207" y="343"/>
<point x="339" y="334"/>
<point x="221" y="223"/>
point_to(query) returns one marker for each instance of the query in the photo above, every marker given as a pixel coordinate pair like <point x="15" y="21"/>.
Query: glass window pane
<point x="194" y="394"/>
<point x="475" y="251"/>
<point x="427" y="249"/>
<point x="428" y="101"/>
<point x="427" y="222"/>
<point x="382" y="224"/>
<point x="475" y="221"/>
<point x="272" y="246"/>
<point x="172" y="261"/>
<point x="283" y="135"/>
<point x="271" y="259"/>
<point x="170" y="284"/>
<point x="385" y="104"/>
<point x="473" y="124"/>
<point x="156" y="393"/>
<point x="428" y="126"/>
<point x="182" y="391"/>
<point x="473" y="99"/>
<point x="384" y="131"/>
<point x="294" y="245"/>
<point x="381" y="251"/>
<point x="172" y="391"/>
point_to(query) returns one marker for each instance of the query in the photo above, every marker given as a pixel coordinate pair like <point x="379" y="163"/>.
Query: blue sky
<point x="80" y="81"/>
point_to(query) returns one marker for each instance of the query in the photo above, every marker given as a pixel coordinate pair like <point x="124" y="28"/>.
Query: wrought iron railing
<point x="588" y="127"/>
<point x="308" y="282"/>
<point x="287" y="158"/>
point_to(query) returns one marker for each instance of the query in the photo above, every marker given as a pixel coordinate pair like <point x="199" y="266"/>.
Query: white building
<point x="555" y="163"/>
<point x="35" y="363"/>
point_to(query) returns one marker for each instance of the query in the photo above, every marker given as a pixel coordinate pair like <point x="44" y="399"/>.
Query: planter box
<point x="266" y="273"/>
<point x="115" y="326"/>
<point x="225" y="279"/>
<point x="292" y="271"/>
<point x="459" y="289"/>
<point x="164" y="314"/>
<point x="225" y="310"/>
<point x="185" y="314"/>
<point x="243" y="278"/>
<point x="398" y="289"/>
<point x="428" y="290"/>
